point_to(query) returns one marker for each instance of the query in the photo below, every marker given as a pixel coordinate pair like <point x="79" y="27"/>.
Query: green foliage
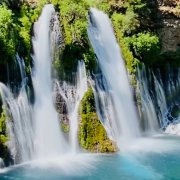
<point x="25" y="19"/>
<point x="127" y="22"/>
<point x="4" y="152"/>
<point x="65" y="127"/>
<point x="15" y="30"/>
<point x="88" y="103"/>
<point x="145" y="46"/>
<point x="7" y="42"/>
<point x="3" y="137"/>
<point x="92" y="135"/>
<point x="131" y="62"/>
<point x="73" y="19"/>
<point x="90" y="59"/>
<point x="103" y="5"/>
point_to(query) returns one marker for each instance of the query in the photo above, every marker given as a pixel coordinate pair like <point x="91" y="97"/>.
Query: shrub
<point x="145" y="46"/>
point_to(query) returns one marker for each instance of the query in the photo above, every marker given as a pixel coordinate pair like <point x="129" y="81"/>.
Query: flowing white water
<point x="161" y="101"/>
<point x="173" y="86"/>
<point x="125" y="123"/>
<point x="153" y="100"/>
<point x="49" y="140"/>
<point x="159" y="98"/>
<point x="22" y="69"/>
<point x="104" y="106"/>
<point x="73" y="94"/>
<point x="19" y="123"/>
<point x="148" y="109"/>
<point x="74" y="114"/>
<point x="18" y="119"/>
<point x="1" y="163"/>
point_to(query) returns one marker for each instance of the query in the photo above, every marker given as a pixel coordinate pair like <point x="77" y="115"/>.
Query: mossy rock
<point x="92" y="134"/>
<point x="4" y="152"/>
<point x="65" y="127"/>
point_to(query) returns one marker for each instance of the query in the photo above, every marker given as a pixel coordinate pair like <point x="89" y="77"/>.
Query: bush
<point x="7" y="42"/>
<point x="4" y="153"/>
<point x="145" y="46"/>
<point x="126" y="23"/>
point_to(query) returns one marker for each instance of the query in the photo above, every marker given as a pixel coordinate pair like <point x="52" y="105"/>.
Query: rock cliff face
<point x="170" y="34"/>
<point x="169" y="19"/>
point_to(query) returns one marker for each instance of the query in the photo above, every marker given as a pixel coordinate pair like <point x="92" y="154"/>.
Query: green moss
<point x="4" y="152"/>
<point x="88" y="103"/>
<point x="92" y="135"/>
<point x="3" y="137"/>
<point x="65" y="127"/>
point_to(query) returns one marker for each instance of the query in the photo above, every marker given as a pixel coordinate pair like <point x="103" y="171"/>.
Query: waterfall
<point x="104" y="106"/>
<point x="153" y="100"/>
<point x="18" y="119"/>
<point x="49" y="140"/>
<point x="111" y="63"/>
<point x="73" y="94"/>
<point x="22" y="69"/>
<point x="161" y="100"/>
<point x="1" y="163"/>
<point x="73" y="114"/>
<point x="34" y="129"/>
<point x="173" y="86"/>
<point x="148" y="109"/>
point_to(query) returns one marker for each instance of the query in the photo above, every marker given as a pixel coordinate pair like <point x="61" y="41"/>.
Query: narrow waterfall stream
<point x="125" y="122"/>
<point x="73" y="94"/>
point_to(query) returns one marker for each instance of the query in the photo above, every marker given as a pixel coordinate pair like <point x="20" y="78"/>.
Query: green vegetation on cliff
<point x="92" y="135"/>
<point x="73" y="20"/>
<point x="16" y="20"/>
<point x="7" y="40"/>
<point x="4" y="152"/>
<point x="3" y="137"/>
<point x="132" y="21"/>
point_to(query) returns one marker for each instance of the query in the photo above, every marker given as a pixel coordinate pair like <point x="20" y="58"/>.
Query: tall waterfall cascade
<point x="125" y="121"/>
<point x="49" y="140"/>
